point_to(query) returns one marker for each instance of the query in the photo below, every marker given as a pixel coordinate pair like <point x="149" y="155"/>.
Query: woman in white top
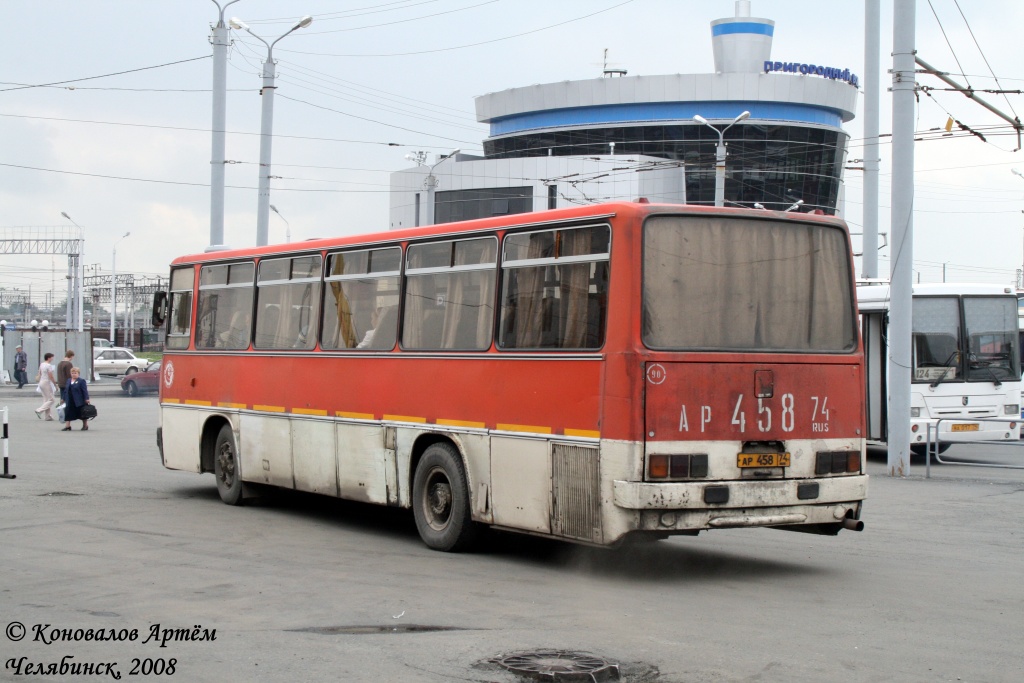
<point x="47" y="384"/>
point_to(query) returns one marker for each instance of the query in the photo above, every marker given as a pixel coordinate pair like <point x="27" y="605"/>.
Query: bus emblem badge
<point x="964" y="400"/>
<point x="168" y="374"/>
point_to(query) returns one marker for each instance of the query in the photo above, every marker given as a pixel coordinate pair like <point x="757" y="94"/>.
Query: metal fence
<point x="932" y="445"/>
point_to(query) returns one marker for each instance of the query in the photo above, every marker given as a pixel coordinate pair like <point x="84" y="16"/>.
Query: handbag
<point x="88" y="412"/>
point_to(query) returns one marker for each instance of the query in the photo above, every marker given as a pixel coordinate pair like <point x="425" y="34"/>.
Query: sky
<point x="105" y="113"/>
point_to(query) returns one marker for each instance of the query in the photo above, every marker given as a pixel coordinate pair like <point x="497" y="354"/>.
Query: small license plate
<point x="966" y="427"/>
<point x="762" y="460"/>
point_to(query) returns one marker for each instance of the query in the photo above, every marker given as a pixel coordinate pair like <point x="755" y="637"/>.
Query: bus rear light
<point x="853" y="462"/>
<point x="915" y="412"/>
<point x="1011" y="409"/>
<point x="683" y="466"/>
<point x="836" y="462"/>
<point x="913" y="428"/>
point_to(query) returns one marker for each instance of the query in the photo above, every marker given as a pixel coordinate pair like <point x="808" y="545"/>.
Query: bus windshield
<point x="979" y="347"/>
<point x="717" y="283"/>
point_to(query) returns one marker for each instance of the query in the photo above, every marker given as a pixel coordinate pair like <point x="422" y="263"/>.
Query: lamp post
<point x="77" y="277"/>
<point x="287" y="225"/>
<point x="113" y="290"/>
<point x="431" y="185"/>
<point x="220" y="87"/>
<point x="720" y="155"/>
<point x="267" y="125"/>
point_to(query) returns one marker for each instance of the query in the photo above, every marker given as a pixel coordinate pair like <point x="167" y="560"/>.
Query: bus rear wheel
<point x="440" y="500"/>
<point x="225" y="467"/>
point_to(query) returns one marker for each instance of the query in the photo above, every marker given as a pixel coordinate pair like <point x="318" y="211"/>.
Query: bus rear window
<point x="724" y="283"/>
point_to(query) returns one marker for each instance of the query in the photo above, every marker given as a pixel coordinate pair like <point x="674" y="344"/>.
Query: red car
<point x="139" y="382"/>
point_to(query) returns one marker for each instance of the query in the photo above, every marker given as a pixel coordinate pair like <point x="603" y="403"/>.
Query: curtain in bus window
<point x="526" y="290"/>
<point x="575" y="289"/>
<point x="726" y="283"/>
<point x="469" y="307"/>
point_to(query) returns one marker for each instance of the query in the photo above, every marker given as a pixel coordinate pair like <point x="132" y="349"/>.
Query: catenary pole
<point x="220" y="42"/>
<point x="872" y="55"/>
<point x="902" y="220"/>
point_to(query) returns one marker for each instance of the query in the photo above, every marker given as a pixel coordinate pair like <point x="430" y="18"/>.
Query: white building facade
<point x="622" y="138"/>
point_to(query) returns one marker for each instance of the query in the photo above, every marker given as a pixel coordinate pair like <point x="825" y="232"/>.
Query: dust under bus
<point x="587" y="374"/>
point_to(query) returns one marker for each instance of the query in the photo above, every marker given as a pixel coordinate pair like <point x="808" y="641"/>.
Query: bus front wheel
<point x="225" y="467"/>
<point x="440" y="500"/>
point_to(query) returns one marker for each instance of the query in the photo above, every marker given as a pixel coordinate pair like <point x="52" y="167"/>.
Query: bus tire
<point x="226" y="467"/>
<point x="440" y="500"/>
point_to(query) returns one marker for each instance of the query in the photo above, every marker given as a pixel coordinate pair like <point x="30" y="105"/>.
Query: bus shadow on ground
<point x="685" y="558"/>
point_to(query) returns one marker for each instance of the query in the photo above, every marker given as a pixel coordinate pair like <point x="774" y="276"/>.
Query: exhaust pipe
<point x="853" y="524"/>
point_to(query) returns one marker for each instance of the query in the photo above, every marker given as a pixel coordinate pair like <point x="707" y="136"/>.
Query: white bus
<point x="965" y="363"/>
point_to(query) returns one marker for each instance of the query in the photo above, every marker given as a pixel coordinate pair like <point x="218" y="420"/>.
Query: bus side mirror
<point x="159" y="309"/>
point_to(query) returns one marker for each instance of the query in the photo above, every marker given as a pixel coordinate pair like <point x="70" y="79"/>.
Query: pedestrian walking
<point x="64" y="374"/>
<point x="77" y="396"/>
<point x="20" y="366"/>
<point x="47" y="384"/>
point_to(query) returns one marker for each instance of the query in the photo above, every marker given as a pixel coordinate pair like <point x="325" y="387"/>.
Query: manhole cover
<point x="560" y="665"/>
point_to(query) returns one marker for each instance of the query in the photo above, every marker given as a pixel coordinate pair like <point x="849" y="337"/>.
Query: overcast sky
<point x="373" y="80"/>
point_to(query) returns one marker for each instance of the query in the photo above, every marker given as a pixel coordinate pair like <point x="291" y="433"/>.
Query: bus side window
<point x="555" y="289"/>
<point x="449" y="295"/>
<point x="225" y="306"/>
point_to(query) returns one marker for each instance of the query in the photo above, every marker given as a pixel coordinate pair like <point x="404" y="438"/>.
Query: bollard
<point x="6" y="474"/>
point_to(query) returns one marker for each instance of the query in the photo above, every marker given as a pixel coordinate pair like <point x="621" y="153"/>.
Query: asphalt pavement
<point x="107" y="558"/>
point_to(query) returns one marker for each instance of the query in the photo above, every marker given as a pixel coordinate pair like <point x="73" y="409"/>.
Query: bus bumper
<point x="681" y="506"/>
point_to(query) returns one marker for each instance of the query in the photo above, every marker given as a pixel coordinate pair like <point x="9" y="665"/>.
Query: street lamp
<point x="431" y="185"/>
<point x="76" y="278"/>
<point x="267" y="125"/>
<point x="720" y="155"/>
<point x="220" y="88"/>
<point x="287" y="225"/>
<point x="113" y="290"/>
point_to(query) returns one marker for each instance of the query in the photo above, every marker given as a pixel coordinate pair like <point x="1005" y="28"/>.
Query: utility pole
<point x="872" y="50"/>
<point x="220" y="42"/>
<point x="902" y="219"/>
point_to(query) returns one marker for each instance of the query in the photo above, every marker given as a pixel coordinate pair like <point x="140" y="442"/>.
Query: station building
<point x="621" y="137"/>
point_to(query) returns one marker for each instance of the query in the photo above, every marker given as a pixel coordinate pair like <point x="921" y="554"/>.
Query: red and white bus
<point x="586" y="374"/>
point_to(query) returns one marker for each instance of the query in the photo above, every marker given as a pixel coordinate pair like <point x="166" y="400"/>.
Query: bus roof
<point x="872" y="296"/>
<point x="536" y="219"/>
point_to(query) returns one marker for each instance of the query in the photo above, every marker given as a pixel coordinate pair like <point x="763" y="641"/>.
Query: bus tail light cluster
<point x="836" y="462"/>
<point x="685" y="466"/>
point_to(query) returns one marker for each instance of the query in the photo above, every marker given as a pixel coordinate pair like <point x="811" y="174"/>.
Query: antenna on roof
<point x="609" y="72"/>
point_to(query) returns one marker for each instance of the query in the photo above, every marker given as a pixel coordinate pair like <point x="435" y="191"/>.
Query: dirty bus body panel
<point x="597" y="372"/>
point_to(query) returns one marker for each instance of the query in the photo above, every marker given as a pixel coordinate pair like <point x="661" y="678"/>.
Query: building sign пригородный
<point x="813" y="70"/>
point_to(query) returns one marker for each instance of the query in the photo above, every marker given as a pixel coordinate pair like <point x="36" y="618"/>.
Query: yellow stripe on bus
<point x="172" y="400"/>
<point x="404" y="418"/>
<point x="588" y="433"/>
<point x="235" y="406"/>
<point x="269" y="409"/>
<point x="354" y="416"/>
<point x="461" y="423"/>
<point x="524" y="428"/>
<point x="309" y="411"/>
<point x="190" y="402"/>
